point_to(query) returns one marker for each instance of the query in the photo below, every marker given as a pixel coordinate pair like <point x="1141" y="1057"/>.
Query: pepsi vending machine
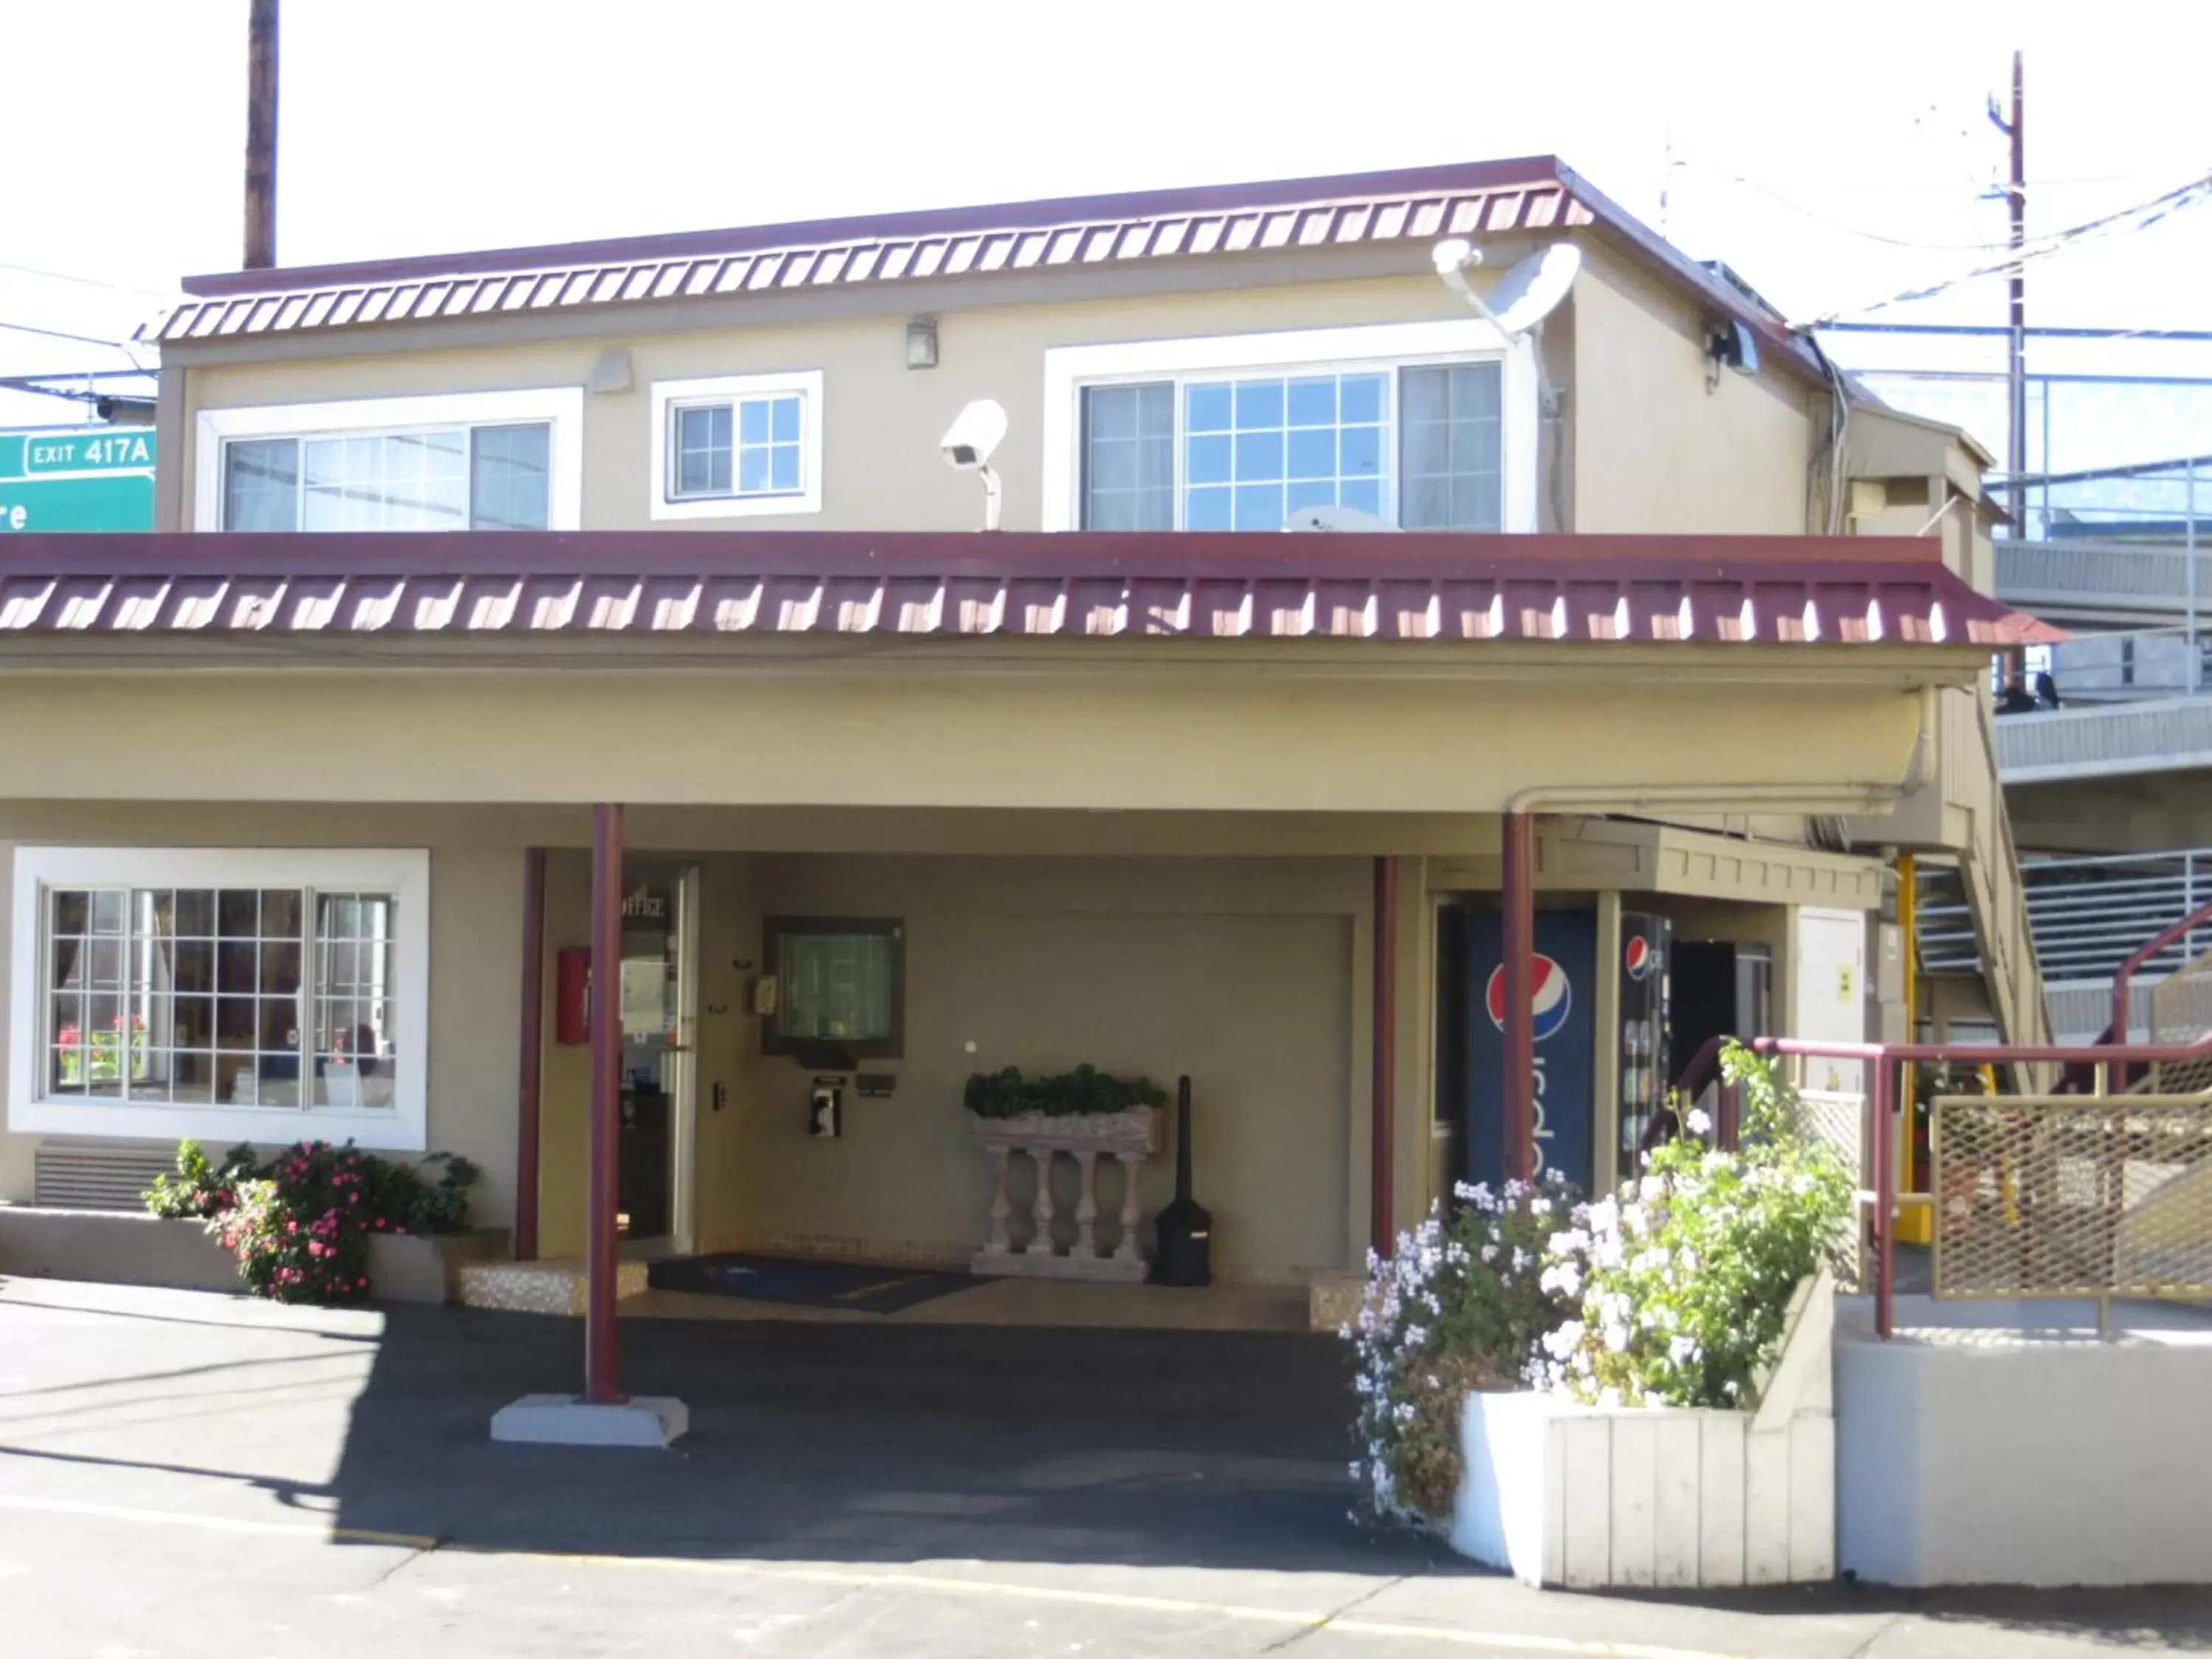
<point x="1564" y="1009"/>
<point x="1647" y="950"/>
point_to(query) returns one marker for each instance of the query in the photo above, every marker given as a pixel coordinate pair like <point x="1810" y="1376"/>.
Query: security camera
<point x="974" y="435"/>
<point x="968" y="446"/>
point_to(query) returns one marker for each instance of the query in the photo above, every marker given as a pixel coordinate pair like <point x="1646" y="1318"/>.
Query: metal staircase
<point x="2085" y="916"/>
<point x="1973" y="914"/>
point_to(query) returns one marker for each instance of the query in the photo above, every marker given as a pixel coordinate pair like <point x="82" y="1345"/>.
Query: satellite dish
<point x="1340" y="518"/>
<point x="1524" y="295"/>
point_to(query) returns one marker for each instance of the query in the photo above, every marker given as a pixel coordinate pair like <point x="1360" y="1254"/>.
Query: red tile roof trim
<point x="1805" y="591"/>
<point x="1527" y="194"/>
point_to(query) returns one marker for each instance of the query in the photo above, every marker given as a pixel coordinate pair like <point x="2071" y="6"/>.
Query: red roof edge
<point x="1387" y="556"/>
<point x="932" y="221"/>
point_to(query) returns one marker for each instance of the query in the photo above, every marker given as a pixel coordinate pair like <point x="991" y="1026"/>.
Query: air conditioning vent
<point x="66" y="1177"/>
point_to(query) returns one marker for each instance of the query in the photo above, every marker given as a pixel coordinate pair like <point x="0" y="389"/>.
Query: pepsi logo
<point x="1551" y="1002"/>
<point x="1639" y="958"/>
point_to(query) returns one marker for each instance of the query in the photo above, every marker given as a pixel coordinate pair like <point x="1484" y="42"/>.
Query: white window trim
<point x="562" y="406"/>
<point x="1068" y="369"/>
<point x="667" y="395"/>
<point x="403" y="872"/>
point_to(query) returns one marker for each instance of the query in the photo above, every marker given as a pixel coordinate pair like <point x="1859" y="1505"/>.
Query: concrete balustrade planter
<point x="1595" y="1497"/>
<point x="1126" y="1138"/>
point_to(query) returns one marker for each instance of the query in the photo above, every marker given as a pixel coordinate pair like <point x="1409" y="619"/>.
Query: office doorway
<point x="659" y="993"/>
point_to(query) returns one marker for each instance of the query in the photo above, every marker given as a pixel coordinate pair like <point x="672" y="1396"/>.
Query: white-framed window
<point x="1427" y="426"/>
<point x="230" y="994"/>
<point x="738" y="446"/>
<point x="486" y="460"/>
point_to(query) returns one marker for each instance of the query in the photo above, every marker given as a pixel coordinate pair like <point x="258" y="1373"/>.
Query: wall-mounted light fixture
<point x="922" y="343"/>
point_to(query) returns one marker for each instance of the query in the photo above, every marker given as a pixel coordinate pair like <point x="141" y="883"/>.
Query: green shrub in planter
<point x="299" y="1225"/>
<point x="1082" y="1092"/>
<point x="1682" y="1283"/>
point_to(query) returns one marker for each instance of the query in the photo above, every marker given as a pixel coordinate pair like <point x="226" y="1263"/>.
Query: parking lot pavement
<point x="185" y="1475"/>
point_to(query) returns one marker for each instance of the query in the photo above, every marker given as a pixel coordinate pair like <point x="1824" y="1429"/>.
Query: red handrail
<point x="1884" y="1057"/>
<point x="2115" y="1076"/>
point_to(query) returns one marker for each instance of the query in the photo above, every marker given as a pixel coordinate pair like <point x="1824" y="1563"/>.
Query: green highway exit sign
<point x="93" y="477"/>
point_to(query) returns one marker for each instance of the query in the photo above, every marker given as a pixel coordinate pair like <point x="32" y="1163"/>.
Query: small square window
<point x="840" y="989"/>
<point x="748" y="446"/>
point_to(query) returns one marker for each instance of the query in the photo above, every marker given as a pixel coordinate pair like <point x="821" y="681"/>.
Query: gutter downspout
<point x="1517" y="885"/>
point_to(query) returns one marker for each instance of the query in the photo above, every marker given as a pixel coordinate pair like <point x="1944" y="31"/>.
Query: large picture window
<point x="1424" y="426"/>
<point x="483" y="460"/>
<point x="1416" y="445"/>
<point x="485" y="477"/>
<point x="264" y="995"/>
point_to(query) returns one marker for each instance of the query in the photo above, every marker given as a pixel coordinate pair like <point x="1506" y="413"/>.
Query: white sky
<point x="418" y="126"/>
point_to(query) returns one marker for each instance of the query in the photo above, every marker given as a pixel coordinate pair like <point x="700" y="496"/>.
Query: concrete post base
<point x="563" y="1419"/>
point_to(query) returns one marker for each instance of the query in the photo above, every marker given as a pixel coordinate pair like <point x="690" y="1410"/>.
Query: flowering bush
<point x="199" y="1190"/>
<point x="1679" y="1285"/>
<point x="299" y="1224"/>
<point x="1459" y="1305"/>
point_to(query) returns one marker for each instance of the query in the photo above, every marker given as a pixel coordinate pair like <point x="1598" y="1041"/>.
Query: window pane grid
<point x="1129" y="463"/>
<point x="748" y="447"/>
<point x="1257" y="450"/>
<point x="195" y="995"/>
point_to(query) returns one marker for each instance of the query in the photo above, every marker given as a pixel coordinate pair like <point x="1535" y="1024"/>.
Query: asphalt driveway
<point x="186" y="1475"/>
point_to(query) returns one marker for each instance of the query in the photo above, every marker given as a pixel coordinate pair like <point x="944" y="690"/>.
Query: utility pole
<point x="261" y="136"/>
<point x="2016" y="359"/>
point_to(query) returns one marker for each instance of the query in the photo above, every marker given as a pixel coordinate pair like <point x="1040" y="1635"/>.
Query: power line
<point x="88" y="282"/>
<point x="2140" y="217"/>
<point x="58" y="334"/>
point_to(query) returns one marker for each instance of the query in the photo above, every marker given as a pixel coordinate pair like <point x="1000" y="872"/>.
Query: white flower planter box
<point x="1128" y="1137"/>
<point x="1594" y="1498"/>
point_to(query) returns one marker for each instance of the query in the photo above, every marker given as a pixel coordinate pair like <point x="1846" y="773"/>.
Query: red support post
<point x="1381" y="1203"/>
<point x="532" y="1039"/>
<point x="1881" y="1094"/>
<point x="1518" y="897"/>
<point x="602" y="1194"/>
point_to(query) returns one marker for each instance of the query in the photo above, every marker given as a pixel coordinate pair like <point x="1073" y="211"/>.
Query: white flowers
<point x="1699" y="1122"/>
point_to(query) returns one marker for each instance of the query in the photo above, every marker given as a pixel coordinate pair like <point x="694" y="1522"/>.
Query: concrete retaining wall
<point x="2022" y="1448"/>
<point x="113" y="1247"/>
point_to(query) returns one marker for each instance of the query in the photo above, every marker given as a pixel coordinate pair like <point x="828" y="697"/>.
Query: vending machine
<point x="1646" y="971"/>
<point x="1563" y="1012"/>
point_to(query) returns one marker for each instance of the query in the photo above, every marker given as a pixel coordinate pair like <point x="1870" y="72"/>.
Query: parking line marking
<point x="220" y="1523"/>
<point x="860" y="1578"/>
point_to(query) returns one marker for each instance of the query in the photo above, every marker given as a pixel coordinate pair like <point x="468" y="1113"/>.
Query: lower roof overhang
<point x="1309" y="673"/>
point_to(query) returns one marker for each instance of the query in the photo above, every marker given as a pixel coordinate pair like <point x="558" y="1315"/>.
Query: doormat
<point x="851" y="1284"/>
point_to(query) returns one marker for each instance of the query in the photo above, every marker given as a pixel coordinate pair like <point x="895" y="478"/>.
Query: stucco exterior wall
<point x="1642" y="445"/>
<point x="1104" y="730"/>
<point x="1654" y="451"/>
<point x="881" y="421"/>
<point x="1236" y="973"/>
